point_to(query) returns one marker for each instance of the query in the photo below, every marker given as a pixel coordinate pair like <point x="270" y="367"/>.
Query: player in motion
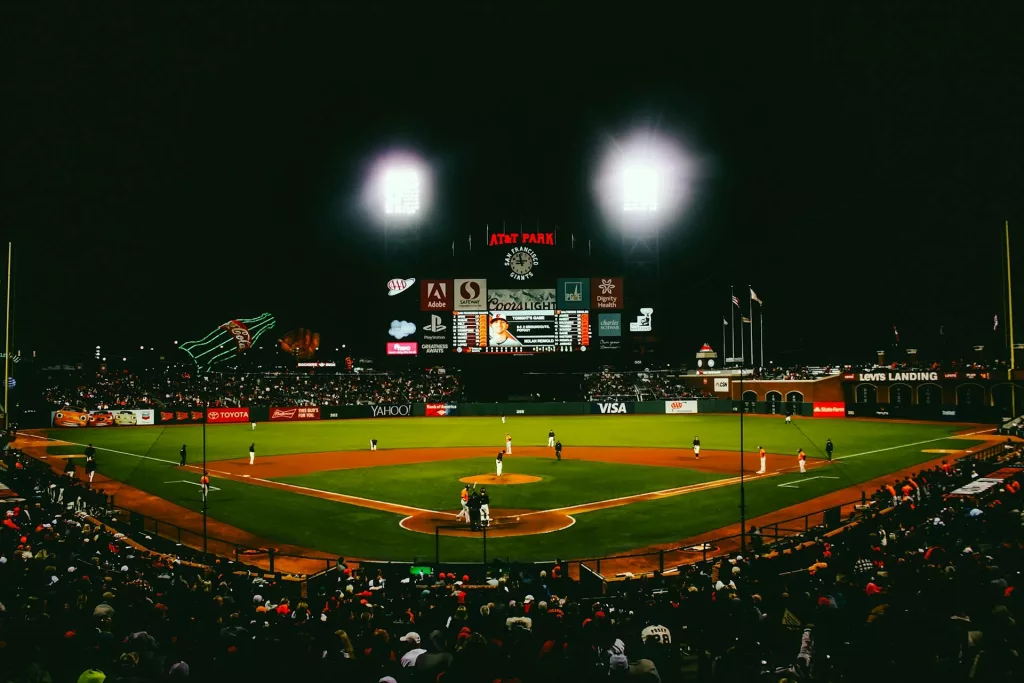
<point x="551" y="438"/>
<point x="696" y="448"/>
<point x="498" y="461"/>
<point x="252" y="453"/>
<point x="464" y="502"/>
<point x="802" y="459"/>
<point x="508" y="444"/>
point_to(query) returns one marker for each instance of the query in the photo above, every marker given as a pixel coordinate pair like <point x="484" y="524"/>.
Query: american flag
<point x="736" y="301"/>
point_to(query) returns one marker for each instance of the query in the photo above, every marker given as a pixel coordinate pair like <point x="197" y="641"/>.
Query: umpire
<point x="828" y="449"/>
<point x="558" y="450"/>
<point x="474" y="510"/>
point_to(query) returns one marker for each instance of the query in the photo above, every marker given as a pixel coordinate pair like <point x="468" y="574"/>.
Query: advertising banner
<point x="681" y="407"/>
<point x="441" y="409"/>
<point x="227" y="415"/>
<point x="829" y="409"/>
<point x="643" y="321"/>
<point x="612" y="408"/>
<point x="404" y="410"/>
<point x="606" y="294"/>
<point x="180" y="416"/>
<point x="722" y="385"/>
<point x="573" y="293"/>
<point x="402" y="348"/>
<point x="521" y="300"/>
<point x="436" y="334"/>
<point x="74" y="417"/>
<point x="436" y="295"/>
<point x="470" y="295"/>
<point x="609" y="324"/>
<point x="295" y="413"/>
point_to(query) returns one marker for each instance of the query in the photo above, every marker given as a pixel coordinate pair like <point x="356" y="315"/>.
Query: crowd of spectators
<point x="610" y="385"/>
<point x="177" y="386"/>
<point x="927" y="588"/>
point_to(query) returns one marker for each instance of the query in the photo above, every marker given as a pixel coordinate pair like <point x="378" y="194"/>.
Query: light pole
<point x="743" y="491"/>
<point x="206" y="406"/>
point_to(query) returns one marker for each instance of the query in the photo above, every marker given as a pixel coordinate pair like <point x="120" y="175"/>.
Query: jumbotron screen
<point x="521" y="321"/>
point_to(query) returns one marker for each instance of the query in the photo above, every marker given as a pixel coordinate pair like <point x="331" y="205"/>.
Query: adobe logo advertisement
<point x="227" y="415"/>
<point x="436" y="295"/>
<point x="829" y="409"/>
<point x="402" y="348"/>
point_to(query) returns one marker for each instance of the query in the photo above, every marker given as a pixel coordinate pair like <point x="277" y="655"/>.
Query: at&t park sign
<point x="503" y="240"/>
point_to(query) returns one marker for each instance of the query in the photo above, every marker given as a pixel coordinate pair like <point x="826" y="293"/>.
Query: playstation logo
<point x="435" y="324"/>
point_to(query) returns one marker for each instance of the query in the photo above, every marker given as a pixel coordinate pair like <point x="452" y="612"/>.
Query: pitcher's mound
<point x="504" y="523"/>
<point x="493" y="479"/>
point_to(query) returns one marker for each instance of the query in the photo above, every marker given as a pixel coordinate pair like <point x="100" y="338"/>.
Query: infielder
<point x="764" y="459"/>
<point x="551" y="438"/>
<point x="696" y="448"/>
<point x="252" y="453"/>
<point x="373" y="444"/>
<point x="90" y="467"/>
<point x="485" y="508"/>
<point x="498" y="460"/>
<point x="464" y="502"/>
<point x="508" y="444"/>
<point x="802" y="459"/>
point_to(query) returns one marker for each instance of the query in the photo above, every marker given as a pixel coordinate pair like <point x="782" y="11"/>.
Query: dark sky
<point x="162" y="172"/>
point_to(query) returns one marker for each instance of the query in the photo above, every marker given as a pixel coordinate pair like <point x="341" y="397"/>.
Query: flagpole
<point x="1009" y="287"/>
<point x="7" y="341"/>
<point x="723" y="341"/>
<point x="761" y="307"/>
<point x="751" y="327"/>
<point x="743" y="351"/>
<point x="732" y="319"/>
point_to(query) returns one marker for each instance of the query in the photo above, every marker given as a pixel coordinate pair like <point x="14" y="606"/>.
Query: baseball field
<point x="625" y="481"/>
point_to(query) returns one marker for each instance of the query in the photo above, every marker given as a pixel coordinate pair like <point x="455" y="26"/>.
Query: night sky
<point x="164" y="172"/>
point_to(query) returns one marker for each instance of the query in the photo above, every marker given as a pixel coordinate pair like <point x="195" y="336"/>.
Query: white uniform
<point x="252" y="456"/>
<point x="497" y="466"/>
<point x="551" y="441"/>
<point x="254" y="426"/>
<point x="508" y="444"/>
<point x="764" y="464"/>
<point x="789" y="419"/>
<point x="803" y="467"/>
<point x="464" y="514"/>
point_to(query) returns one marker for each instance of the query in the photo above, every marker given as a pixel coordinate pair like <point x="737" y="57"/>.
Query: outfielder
<point x="789" y="418"/>
<point x="373" y="444"/>
<point x="464" y="502"/>
<point x="551" y="438"/>
<point x="498" y="460"/>
<point x="503" y="418"/>
<point x="254" y="425"/>
<point x="696" y="448"/>
<point x="802" y="459"/>
<point x="252" y="453"/>
<point x="764" y="459"/>
<point x="485" y="508"/>
<point x="508" y="444"/>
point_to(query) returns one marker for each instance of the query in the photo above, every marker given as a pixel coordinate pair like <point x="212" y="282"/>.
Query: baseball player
<point x="789" y="418"/>
<point x="802" y="459"/>
<point x="464" y="502"/>
<point x="558" y="450"/>
<point x="503" y="418"/>
<point x="696" y="448"/>
<point x="90" y="467"/>
<point x="485" y="508"/>
<point x="508" y="443"/>
<point x="551" y="438"/>
<point x="90" y="452"/>
<point x="181" y="453"/>
<point x="828" y="449"/>
<point x="252" y="453"/>
<point x="764" y="459"/>
<point x="497" y="461"/>
<point x="204" y="482"/>
<point x="373" y="444"/>
<point x="254" y="425"/>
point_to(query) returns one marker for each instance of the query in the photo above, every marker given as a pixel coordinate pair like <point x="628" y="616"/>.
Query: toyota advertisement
<point x="295" y="413"/>
<point x="441" y="409"/>
<point x="227" y="415"/>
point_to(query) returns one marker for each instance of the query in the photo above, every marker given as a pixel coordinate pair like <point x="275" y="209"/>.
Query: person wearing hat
<point x="485" y="507"/>
<point x="829" y="448"/>
<point x="464" y="502"/>
<point x="498" y="461"/>
<point x="90" y="467"/>
<point x="181" y="455"/>
<point x="764" y="459"/>
<point x="498" y="334"/>
<point x="204" y="482"/>
<point x="801" y="458"/>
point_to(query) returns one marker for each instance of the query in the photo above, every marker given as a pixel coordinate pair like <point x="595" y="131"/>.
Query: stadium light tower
<point x="642" y="185"/>
<point x="397" y="197"/>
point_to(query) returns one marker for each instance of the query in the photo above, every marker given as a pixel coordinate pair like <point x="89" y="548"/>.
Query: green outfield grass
<point x="144" y="457"/>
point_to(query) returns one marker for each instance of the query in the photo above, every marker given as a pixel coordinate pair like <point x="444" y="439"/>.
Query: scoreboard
<point x="521" y="332"/>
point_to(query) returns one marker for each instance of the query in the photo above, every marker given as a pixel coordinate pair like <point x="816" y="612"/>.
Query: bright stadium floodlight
<point x="401" y="191"/>
<point x="644" y="181"/>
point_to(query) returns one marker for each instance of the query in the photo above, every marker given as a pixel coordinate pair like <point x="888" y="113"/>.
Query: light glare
<point x="639" y="188"/>
<point x="401" y="192"/>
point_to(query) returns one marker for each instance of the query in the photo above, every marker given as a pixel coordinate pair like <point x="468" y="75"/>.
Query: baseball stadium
<point x="332" y="363"/>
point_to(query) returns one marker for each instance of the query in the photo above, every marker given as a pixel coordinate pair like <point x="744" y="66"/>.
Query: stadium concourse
<point x="927" y="583"/>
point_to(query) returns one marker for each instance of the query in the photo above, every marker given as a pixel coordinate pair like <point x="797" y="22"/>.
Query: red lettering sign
<point x="437" y="410"/>
<point x="295" y="413"/>
<point x="502" y="239"/>
<point x="402" y="348"/>
<point x="829" y="409"/>
<point x="225" y="415"/>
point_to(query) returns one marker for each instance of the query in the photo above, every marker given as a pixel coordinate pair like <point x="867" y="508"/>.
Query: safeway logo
<point x="612" y="408"/>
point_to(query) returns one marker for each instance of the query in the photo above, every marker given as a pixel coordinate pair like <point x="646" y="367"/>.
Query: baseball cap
<point x="92" y="676"/>
<point x="179" y="669"/>
<point x="498" y="316"/>
<point x="528" y="598"/>
<point x="411" y="637"/>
